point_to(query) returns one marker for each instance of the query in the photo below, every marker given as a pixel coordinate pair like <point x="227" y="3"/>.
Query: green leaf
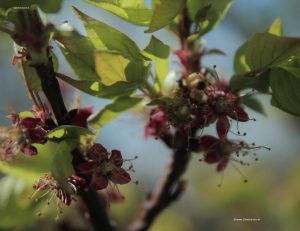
<point x="110" y="67"/>
<point x="292" y="66"/>
<point x="158" y="52"/>
<point x="113" y="110"/>
<point x="276" y="28"/>
<point x="164" y="12"/>
<point x="105" y="37"/>
<point x="68" y="132"/>
<point x="30" y="76"/>
<point x="259" y="83"/>
<point x="208" y="13"/>
<point x="137" y="14"/>
<point x="79" y="52"/>
<point x="61" y="166"/>
<point x="113" y="68"/>
<point x="239" y="63"/>
<point x="30" y="168"/>
<point x="264" y="51"/>
<point x="52" y="6"/>
<point x="285" y="91"/>
<point x="97" y="89"/>
<point x="253" y="104"/>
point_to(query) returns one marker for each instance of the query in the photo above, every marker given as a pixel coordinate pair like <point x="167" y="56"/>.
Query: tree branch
<point x="50" y="86"/>
<point x="169" y="188"/>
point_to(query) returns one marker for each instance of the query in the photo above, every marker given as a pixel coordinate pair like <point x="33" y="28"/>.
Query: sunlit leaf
<point x="113" y="68"/>
<point x="132" y="11"/>
<point x="68" y="132"/>
<point x="30" y="168"/>
<point x="111" y="111"/>
<point x="61" y="166"/>
<point x="164" y="12"/>
<point x="276" y="28"/>
<point x="105" y="37"/>
<point x="97" y="89"/>
<point x="79" y="52"/>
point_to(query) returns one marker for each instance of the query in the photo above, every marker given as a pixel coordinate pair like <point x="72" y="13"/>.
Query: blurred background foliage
<point x="273" y="189"/>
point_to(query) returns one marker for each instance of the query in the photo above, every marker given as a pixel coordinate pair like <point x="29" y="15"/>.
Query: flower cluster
<point x="103" y="167"/>
<point x="200" y="101"/>
<point x="30" y="131"/>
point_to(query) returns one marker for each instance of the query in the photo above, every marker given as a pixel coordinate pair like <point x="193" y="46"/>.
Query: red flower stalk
<point x="221" y="151"/>
<point x="103" y="168"/>
<point x="156" y="124"/>
<point x="189" y="59"/>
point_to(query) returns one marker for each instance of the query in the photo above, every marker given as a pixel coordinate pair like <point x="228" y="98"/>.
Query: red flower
<point x="221" y="151"/>
<point x="156" y="123"/>
<point x="104" y="168"/>
<point x="221" y="104"/>
<point x="30" y="131"/>
<point x="216" y="151"/>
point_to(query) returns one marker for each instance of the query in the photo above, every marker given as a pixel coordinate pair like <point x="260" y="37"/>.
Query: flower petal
<point x="37" y="135"/>
<point x="120" y="176"/>
<point x="97" y="152"/>
<point x="80" y="119"/>
<point x="239" y="114"/>
<point x="207" y="141"/>
<point x="116" y="158"/>
<point x="30" y="122"/>
<point x="222" y="127"/>
<point x="222" y="165"/>
<point x="211" y="157"/>
<point x="86" y="167"/>
<point x="98" y="182"/>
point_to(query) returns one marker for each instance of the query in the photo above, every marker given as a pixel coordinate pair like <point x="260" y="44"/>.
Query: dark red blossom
<point x="103" y="167"/>
<point x="221" y="151"/>
<point x="31" y="131"/>
<point x="156" y="124"/>
<point x="221" y="104"/>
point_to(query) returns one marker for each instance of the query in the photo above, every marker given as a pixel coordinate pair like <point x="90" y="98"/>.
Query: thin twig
<point x="170" y="187"/>
<point x="50" y="86"/>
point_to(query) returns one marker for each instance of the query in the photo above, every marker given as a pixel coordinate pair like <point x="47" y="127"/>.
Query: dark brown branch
<point x="50" y="86"/>
<point x="169" y="188"/>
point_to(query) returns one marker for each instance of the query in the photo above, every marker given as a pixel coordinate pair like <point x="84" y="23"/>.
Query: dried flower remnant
<point x="221" y="104"/>
<point x="103" y="168"/>
<point x="52" y="188"/>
